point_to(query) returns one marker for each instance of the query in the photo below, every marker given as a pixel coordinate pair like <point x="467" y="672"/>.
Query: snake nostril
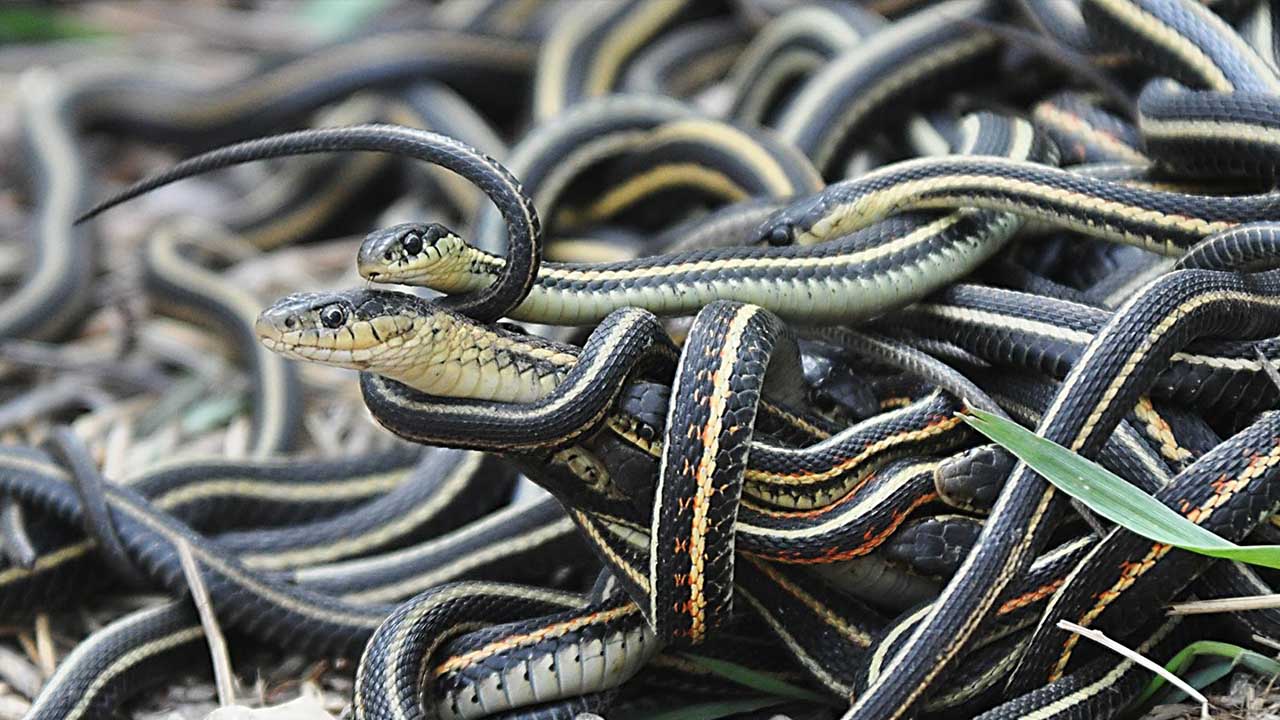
<point x="289" y="322"/>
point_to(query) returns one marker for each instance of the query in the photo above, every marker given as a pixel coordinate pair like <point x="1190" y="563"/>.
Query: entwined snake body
<point x="705" y="477"/>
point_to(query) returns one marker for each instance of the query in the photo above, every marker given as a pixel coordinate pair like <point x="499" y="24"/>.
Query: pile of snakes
<point x="722" y="279"/>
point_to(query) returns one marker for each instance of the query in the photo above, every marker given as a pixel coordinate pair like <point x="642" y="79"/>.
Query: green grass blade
<point x="1200" y="679"/>
<point x="335" y="18"/>
<point x="1238" y="656"/>
<point x="38" y="24"/>
<point x="1111" y="496"/>
<point x="761" y="682"/>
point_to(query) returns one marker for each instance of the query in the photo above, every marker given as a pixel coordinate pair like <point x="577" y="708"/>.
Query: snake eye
<point x="412" y="243"/>
<point x="782" y="234"/>
<point x="333" y="316"/>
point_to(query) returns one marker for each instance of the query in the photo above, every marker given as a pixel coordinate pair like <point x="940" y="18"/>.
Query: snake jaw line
<point x="426" y="254"/>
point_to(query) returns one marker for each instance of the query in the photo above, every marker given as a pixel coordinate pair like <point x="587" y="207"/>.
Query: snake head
<point x="415" y="342"/>
<point x="354" y="329"/>
<point x="412" y="253"/>
<point x="797" y="223"/>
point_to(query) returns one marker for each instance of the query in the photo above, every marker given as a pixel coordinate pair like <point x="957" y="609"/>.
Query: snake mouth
<point x="372" y="270"/>
<point x="355" y="347"/>
<point x="331" y="330"/>
<point x="405" y="251"/>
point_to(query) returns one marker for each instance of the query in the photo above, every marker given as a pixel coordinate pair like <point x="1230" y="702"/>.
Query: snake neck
<point x="468" y="269"/>
<point x="450" y="357"/>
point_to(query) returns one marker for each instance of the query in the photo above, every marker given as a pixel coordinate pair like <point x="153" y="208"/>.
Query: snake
<point x="411" y="385"/>
<point x="524" y="251"/>
<point x="686" y="61"/>
<point x="747" y="475"/>
<point x="1100" y="597"/>
<point x="1181" y="307"/>
<point x="127" y="96"/>
<point x="796" y="281"/>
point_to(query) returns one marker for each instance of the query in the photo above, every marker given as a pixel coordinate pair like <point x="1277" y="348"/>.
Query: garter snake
<point x="587" y="52"/>
<point x="1085" y="132"/>
<point x="609" y="637"/>
<point x="1116" y="366"/>
<point x="184" y="285"/>
<point x="1161" y="221"/>
<point x="793" y="45"/>
<point x="524" y="250"/>
<point x="1048" y="336"/>
<point x="864" y="274"/>
<point x="56" y="106"/>
<point x="786" y="542"/>
<point x="515" y="394"/>
<point x="124" y="651"/>
<point x="1214" y="116"/>
<point x="866" y="84"/>
<point x="717" y="388"/>
<point x="753" y="488"/>
<point x="714" y="543"/>
<point x="696" y="157"/>
<point x="687" y="60"/>
<point x="205" y="493"/>
<point x="1139" y="574"/>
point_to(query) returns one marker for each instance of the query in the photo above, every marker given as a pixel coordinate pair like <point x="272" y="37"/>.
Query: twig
<point x="46" y="655"/>
<point x="236" y="440"/>
<point x="1235" y="604"/>
<point x="119" y="437"/>
<point x="222" y="676"/>
<point x="1154" y="667"/>
<point x="1264" y="640"/>
<point x="1271" y="683"/>
<point x="28" y="645"/>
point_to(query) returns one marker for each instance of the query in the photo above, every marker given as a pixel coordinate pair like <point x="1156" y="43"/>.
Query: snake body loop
<point x="524" y="250"/>
<point x="785" y="247"/>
